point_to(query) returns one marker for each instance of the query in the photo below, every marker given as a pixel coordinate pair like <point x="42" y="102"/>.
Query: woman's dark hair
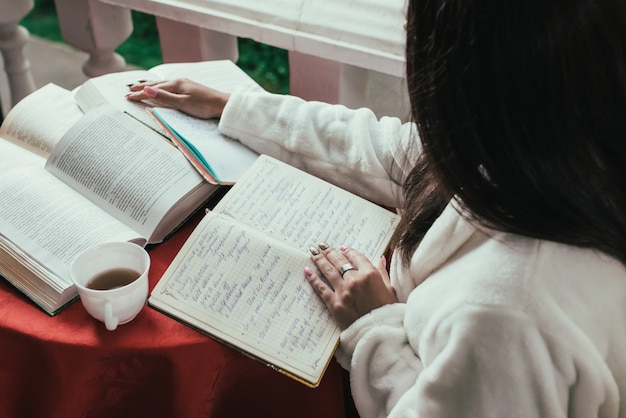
<point x="521" y="110"/>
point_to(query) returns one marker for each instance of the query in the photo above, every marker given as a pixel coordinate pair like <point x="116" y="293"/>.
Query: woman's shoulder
<point x="459" y="258"/>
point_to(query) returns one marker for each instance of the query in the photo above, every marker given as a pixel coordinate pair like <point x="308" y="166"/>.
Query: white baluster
<point x="182" y="42"/>
<point x="97" y="29"/>
<point x="12" y="40"/>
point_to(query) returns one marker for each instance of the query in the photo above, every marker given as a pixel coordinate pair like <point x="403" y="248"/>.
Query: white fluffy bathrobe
<point x="489" y="324"/>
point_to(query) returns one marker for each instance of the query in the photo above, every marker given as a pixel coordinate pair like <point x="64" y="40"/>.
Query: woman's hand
<point x="183" y="94"/>
<point x="359" y="291"/>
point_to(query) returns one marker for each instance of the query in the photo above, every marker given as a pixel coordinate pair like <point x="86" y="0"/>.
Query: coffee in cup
<point x="112" y="281"/>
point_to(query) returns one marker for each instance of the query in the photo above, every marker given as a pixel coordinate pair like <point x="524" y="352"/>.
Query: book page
<point x="240" y="275"/>
<point x="222" y="75"/>
<point x="303" y="210"/>
<point x="40" y="119"/>
<point x="112" y="89"/>
<point x="45" y="218"/>
<point x="247" y="290"/>
<point x="125" y="168"/>
<point x="226" y="159"/>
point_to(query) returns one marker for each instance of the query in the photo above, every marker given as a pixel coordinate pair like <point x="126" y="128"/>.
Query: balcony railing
<point x="340" y="51"/>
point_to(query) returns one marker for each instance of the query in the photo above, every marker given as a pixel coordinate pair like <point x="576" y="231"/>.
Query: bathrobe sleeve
<point x="350" y="148"/>
<point x="474" y="361"/>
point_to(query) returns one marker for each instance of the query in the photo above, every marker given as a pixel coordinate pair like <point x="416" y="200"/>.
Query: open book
<point x="71" y="180"/>
<point x="240" y="275"/>
<point x="220" y="160"/>
<point x="111" y="88"/>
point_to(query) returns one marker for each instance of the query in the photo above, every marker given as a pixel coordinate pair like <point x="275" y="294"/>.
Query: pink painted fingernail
<point x="308" y="272"/>
<point x="343" y="247"/>
<point x="150" y="91"/>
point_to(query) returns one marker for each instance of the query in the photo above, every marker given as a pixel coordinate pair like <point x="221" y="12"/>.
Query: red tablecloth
<point x="71" y="366"/>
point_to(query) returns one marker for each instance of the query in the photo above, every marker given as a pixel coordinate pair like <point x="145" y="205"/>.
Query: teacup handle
<point x="109" y="321"/>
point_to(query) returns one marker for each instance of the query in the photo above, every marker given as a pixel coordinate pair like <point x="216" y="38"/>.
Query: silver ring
<point x="346" y="267"/>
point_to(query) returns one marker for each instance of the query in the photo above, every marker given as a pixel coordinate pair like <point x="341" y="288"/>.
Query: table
<point x="69" y="365"/>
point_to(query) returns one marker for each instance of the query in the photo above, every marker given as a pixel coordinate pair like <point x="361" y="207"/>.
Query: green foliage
<point x="142" y="46"/>
<point x="265" y="64"/>
<point x="269" y="66"/>
<point x="42" y="21"/>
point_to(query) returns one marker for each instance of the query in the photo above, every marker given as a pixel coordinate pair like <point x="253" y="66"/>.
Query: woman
<point x="507" y="286"/>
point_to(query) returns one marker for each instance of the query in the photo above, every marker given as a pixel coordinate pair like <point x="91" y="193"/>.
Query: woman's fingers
<point x="320" y="286"/>
<point x="329" y="261"/>
<point x="360" y="289"/>
<point x="153" y="89"/>
<point x="139" y="85"/>
<point x="185" y="95"/>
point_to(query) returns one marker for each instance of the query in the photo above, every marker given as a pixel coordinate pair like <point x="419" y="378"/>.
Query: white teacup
<point x="112" y="281"/>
